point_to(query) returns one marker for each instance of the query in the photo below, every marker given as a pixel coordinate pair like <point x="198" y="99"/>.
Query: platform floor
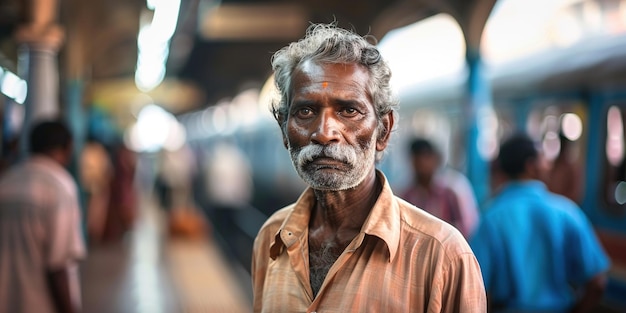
<point x="149" y="272"/>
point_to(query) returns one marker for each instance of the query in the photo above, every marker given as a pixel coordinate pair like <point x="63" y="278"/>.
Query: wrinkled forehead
<point x="311" y="74"/>
<point x="314" y="68"/>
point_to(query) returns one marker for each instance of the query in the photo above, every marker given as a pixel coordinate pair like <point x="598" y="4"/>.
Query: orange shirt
<point x="403" y="260"/>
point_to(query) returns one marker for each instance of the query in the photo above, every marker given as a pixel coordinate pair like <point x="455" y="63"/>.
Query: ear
<point x="385" y="131"/>
<point x="285" y="143"/>
<point x="283" y="130"/>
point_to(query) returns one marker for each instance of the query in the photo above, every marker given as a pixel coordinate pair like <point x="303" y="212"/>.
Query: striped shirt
<point x="403" y="260"/>
<point x="39" y="232"/>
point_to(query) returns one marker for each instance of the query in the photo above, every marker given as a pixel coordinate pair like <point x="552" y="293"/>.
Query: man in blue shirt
<point x="536" y="249"/>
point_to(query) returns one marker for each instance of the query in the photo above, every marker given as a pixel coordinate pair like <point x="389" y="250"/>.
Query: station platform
<point x="152" y="272"/>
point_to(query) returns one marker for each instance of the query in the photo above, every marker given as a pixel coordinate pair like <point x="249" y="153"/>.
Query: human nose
<point x="327" y="129"/>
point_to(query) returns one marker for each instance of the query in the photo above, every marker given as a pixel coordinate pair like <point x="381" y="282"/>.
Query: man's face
<point x="331" y="125"/>
<point x="425" y="164"/>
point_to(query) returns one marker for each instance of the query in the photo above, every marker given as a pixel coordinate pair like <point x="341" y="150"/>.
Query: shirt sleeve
<point x="587" y="257"/>
<point x="65" y="240"/>
<point x="260" y="258"/>
<point x="462" y="286"/>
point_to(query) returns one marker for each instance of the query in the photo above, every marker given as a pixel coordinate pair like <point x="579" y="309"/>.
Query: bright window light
<point x="153" y="43"/>
<point x="551" y="145"/>
<point x="154" y="130"/>
<point x="147" y="77"/>
<point x="13" y="87"/>
<point x="165" y="18"/>
<point x="620" y="193"/>
<point x="428" y="49"/>
<point x="572" y="126"/>
<point x="176" y="138"/>
<point x="519" y="28"/>
<point x="615" y="136"/>
<point x="220" y="119"/>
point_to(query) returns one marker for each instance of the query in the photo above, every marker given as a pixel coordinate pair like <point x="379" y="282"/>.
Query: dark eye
<point x="304" y="112"/>
<point x="348" y="112"/>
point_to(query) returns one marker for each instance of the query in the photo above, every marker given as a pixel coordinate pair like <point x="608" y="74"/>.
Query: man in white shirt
<point x="40" y="228"/>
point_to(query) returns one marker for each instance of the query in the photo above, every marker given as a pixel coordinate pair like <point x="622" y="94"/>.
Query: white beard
<point x="359" y="162"/>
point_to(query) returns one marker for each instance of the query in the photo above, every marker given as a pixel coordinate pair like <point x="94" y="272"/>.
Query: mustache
<point x="337" y="152"/>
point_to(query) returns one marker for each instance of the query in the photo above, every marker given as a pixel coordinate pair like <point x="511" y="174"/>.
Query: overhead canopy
<point x="219" y="47"/>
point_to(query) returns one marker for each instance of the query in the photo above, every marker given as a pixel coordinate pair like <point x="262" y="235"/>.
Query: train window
<point x="560" y="129"/>
<point x="615" y="161"/>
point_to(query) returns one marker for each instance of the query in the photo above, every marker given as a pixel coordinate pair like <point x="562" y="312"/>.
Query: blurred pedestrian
<point x="122" y="209"/>
<point x="96" y="173"/>
<point x="464" y="192"/>
<point x="431" y="191"/>
<point x="40" y="228"/>
<point x="536" y="249"/>
<point x="176" y="170"/>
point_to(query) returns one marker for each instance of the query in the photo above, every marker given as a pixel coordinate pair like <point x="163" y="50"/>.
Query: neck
<point x="58" y="156"/>
<point x="524" y="179"/>
<point x="424" y="181"/>
<point x="345" y="209"/>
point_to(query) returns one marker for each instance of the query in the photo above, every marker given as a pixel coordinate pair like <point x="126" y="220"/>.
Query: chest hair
<point x="321" y="258"/>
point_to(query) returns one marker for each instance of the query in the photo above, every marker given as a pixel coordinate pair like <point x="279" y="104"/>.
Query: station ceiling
<point x="219" y="47"/>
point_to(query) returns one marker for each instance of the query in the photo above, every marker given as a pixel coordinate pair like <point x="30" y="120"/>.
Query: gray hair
<point x="326" y="43"/>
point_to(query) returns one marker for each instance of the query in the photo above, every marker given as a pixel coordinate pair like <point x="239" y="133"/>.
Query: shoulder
<point x="32" y="177"/>
<point x="273" y="223"/>
<point x="54" y="173"/>
<point x="436" y="233"/>
<point x="271" y="226"/>
<point x="562" y="202"/>
<point x="449" y="193"/>
<point x="440" y="250"/>
<point x="571" y="214"/>
<point x="564" y="208"/>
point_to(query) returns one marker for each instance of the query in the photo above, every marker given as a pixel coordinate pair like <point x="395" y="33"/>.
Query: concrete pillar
<point x="39" y="43"/>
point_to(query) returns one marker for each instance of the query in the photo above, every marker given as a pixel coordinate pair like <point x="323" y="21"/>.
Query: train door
<point x="605" y="203"/>
<point x="612" y="195"/>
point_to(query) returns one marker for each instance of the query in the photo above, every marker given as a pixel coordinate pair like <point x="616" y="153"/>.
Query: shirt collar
<point x="530" y="185"/>
<point x="383" y="221"/>
<point x="45" y="161"/>
<point x="295" y="224"/>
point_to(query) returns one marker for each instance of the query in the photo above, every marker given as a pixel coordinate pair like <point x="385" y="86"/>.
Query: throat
<point x="321" y="258"/>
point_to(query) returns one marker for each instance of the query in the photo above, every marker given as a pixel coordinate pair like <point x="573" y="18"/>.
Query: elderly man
<point x="348" y="244"/>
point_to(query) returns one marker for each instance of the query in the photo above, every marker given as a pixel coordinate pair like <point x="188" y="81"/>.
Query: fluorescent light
<point x="13" y="87"/>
